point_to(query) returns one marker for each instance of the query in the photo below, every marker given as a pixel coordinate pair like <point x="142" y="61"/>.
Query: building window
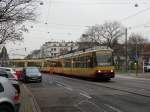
<point x="55" y="54"/>
<point x="54" y="49"/>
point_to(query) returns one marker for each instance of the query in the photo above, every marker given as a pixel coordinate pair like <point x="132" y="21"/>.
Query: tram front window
<point x="104" y="60"/>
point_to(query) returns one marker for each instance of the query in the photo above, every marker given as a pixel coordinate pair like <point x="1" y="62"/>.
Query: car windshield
<point x="8" y="70"/>
<point x="6" y="74"/>
<point x="32" y="70"/>
<point x="104" y="60"/>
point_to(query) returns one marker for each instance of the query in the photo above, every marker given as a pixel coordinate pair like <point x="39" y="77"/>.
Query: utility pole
<point x="126" y="49"/>
<point x="136" y="50"/>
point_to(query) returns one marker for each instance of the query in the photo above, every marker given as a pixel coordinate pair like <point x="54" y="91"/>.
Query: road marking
<point x="113" y="108"/>
<point x="90" y="104"/>
<point x="69" y="88"/>
<point x="85" y="95"/>
<point x="64" y="86"/>
<point x="60" y="83"/>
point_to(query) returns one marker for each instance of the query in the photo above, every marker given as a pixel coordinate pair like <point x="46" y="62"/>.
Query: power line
<point x="140" y="25"/>
<point x="97" y="3"/>
<point x="59" y="24"/>
<point x="135" y="14"/>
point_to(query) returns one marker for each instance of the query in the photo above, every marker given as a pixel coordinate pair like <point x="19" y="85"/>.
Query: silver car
<point x="9" y="98"/>
<point x="11" y="77"/>
<point x="10" y="70"/>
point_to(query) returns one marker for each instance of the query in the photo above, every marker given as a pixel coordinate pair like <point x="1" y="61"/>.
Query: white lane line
<point x="64" y="86"/>
<point x="92" y="104"/>
<point x="85" y="95"/>
<point x="113" y="108"/>
<point x="69" y="88"/>
<point x="60" y="83"/>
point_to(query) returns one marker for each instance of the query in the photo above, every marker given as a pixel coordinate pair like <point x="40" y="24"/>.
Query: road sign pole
<point x="126" y="50"/>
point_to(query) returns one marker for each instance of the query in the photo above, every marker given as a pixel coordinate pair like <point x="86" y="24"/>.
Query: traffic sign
<point x="136" y="57"/>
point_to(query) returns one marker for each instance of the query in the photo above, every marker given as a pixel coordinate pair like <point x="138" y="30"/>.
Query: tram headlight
<point x="112" y="70"/>
<point x="99" y="71"/>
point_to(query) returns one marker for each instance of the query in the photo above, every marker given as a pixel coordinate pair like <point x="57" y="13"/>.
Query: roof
<point x="85" y="51"/>
<point x="3" y="79"/>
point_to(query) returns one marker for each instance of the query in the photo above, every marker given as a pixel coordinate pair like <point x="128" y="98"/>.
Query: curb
<point x="35" y="106"/>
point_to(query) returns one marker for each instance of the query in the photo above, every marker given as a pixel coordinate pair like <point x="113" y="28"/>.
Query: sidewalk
<point x="134" y="75"/>
<point x="28" y="102"/>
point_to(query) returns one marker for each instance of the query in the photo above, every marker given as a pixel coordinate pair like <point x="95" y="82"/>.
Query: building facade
<point x="52" y="49"/>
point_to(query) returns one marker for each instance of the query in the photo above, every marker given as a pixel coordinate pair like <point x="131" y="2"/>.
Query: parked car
<point x="10" y="70"/>
<point x="32" y="74"/>
<point x="19" y="73"/>
<point x="9" y="98"/>
<point x="11" y="77"/>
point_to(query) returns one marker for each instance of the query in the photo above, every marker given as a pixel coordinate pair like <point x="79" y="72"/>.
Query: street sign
<point x="136" y="57"/>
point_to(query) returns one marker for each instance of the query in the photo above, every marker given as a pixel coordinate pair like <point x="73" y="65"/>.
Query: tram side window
<point x="17" y="64"/>
<point x="53" y="64"/>
<point x="20" y="64"/>
<point x="74" y="62"/>
<point x="58" y="64"/>
<point x="79" y="62"/>
<point x="67" y="62"/>
<point x="34" y="64"/>
<point x="82" y="62"/>
<point x="47" y="64"/>
<point x="89" y="61"/>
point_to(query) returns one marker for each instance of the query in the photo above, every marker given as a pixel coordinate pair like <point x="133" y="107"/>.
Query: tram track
<point x="131" y="92"/>
<point x="135" y="91"/>
<point x="76" y="95"/>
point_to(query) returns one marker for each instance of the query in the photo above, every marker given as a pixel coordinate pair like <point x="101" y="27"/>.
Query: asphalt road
<point x="64" y="94"/>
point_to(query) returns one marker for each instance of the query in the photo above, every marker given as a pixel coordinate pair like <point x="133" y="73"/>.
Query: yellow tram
<point x="92" y="63"/>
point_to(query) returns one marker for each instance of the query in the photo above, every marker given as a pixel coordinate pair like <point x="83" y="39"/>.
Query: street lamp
<point x="136" y="5"/>
<point x="126" y="48"/>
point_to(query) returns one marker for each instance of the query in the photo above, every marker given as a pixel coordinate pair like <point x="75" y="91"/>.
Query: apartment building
<point x="52" y="49"/>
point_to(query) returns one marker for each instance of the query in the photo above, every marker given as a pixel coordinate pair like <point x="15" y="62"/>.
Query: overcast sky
<point x="67" y="19"/>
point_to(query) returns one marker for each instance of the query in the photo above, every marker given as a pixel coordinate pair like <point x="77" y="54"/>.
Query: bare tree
<point x="12" y="14"/>
<point x="110" y="33"/>
<point x="106" y="34"/>
<point x="11" y="32"/>
<point x="17" y="10"/>
<point x="136" y="44"/>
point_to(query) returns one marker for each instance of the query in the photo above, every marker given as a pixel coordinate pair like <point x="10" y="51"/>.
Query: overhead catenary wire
<point x="102" y="2"/>
<point x="135" y="14"/>
<point x="141" y="25"/>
